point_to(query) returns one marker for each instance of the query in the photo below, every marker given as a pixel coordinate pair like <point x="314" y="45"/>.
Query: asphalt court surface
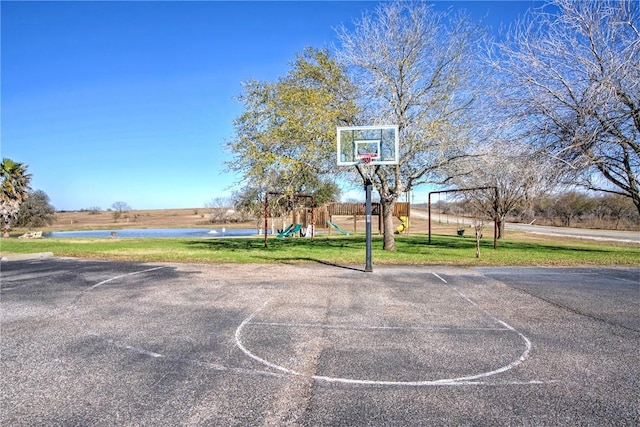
<point x="111" y="343"/>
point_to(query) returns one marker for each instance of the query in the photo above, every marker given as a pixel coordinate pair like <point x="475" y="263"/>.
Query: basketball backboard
<point x="377" y="145"/>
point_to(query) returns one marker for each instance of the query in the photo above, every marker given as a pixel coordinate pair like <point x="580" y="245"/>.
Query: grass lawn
<point x="520" y="250"/>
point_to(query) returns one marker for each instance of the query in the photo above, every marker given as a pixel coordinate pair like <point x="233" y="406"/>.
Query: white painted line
<point x="16" y="287"/>
<point x="155" y="355"/>
<point x="253" y="356"/>
<point x="123" y="275"/>
<point x="208" y="365"/>
<point x="375" y="328"/>
<point x="457" y="381"/>
<point x="511" y="365"/>
<point x="72" y="306"/>
<point x="438" y="276"/>
<point x="128" y="347"/>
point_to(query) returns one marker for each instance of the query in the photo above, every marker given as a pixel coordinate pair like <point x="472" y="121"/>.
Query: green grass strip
<point x="347" y="251"/>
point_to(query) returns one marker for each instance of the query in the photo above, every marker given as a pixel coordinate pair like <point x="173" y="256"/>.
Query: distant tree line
<point x="575" y="209"/>
<point x="568" y="209"/>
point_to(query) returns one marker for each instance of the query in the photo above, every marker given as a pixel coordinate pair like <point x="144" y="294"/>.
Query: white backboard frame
<point x="352" y="140"/>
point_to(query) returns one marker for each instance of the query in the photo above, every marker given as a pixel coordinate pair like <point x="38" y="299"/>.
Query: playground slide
<point x="288" y="232"/>
<point x="404" y="226"/>
<point x="284" y="232"/>
<point x="334" y="225"/>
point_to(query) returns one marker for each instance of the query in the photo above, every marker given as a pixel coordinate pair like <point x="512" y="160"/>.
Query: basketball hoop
<point x="368" y="146"/>
<point x="367" y="157"/>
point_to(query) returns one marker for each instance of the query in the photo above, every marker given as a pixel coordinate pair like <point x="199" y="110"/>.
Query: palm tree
<point x="15" y="189"/>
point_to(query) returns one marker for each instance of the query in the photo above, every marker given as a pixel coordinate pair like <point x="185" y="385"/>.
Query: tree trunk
<point x="501" y="221"/>
<point x="387" y="225"/>
<point x="6" y="227"/>
<point x="636" y="200"/>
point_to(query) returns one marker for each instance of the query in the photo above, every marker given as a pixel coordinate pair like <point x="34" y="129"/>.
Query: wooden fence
<point x="356" y="211"/>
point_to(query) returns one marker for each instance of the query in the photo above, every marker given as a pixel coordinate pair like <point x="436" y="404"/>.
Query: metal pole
<point x="495" y="218"/>
<point x="408" y="229"/>
<point x="429" y="215"/>
<point x="313" y="219"/>
<point x="266" y="212"/>
<point x="368" y="268"/>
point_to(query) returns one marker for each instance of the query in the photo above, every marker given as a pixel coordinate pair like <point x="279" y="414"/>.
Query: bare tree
<point x="616" y="208"/>
<point x="572" y="205"/>
<point x="218" y="209"/>
<point x="571" y="80"/>
<point x="119" y="208"/>
<point x="412" y="66"/>
<point x="478" y="226"/>
<point x="518" y="173"/>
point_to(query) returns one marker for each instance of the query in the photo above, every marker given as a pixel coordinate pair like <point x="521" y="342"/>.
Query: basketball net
<point x="367" y="157"/>
<point x="365" y="169"/>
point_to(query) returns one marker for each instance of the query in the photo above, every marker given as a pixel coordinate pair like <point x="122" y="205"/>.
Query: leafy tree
<point x="281" y="138"/>
<point x="286" y="127"/>
<point x="35" y="211"/>
<point x="570" y="80"/>
<point x="250" y="202"/>
<point x="326" y="191"/>
<point x="15" y="187"/>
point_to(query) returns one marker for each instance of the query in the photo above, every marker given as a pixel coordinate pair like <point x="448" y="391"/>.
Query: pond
<point x="155" y="232"/>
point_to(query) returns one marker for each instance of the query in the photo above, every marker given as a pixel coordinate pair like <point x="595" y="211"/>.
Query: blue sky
<point x="133" y="101"/>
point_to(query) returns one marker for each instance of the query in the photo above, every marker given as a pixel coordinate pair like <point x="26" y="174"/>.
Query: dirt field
<point x="155" y="218"/>
<point x="195" y="218"/>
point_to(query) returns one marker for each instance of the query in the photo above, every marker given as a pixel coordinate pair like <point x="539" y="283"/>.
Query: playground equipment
<point x="404" y="226"/>
<point x="356" y="212"/>
<point x="285" y="231"/>
<point x="290" y="231"/>
<point x="334" y="225"/>
<point x="460" y="230"/>
<point x="287" y="200"/>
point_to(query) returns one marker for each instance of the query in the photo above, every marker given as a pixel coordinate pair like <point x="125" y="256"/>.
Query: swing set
<point x="466" y="190"/>
<point x="292" y="229"/>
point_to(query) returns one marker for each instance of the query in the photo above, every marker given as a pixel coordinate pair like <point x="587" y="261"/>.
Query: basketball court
<point x="89" y="342"/>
